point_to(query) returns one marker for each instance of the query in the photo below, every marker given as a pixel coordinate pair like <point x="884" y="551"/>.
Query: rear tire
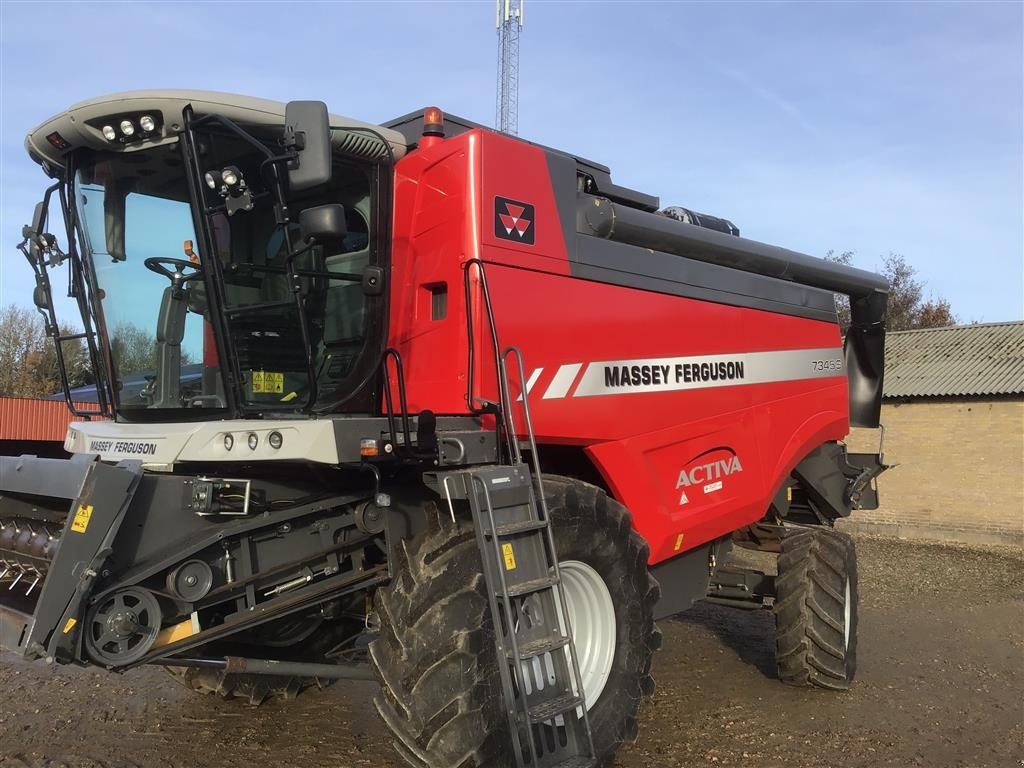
<point x="816" y="609"/>
<point x="440" y="688"/>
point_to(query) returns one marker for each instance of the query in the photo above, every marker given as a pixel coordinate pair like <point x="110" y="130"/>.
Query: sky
<point x="873" y="128"/>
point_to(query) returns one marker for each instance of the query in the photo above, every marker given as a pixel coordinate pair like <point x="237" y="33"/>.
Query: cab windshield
<point x="154" y="279"/>
<point x="136" y="217"/>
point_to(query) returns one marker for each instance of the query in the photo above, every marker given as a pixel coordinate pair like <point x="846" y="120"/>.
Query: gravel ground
<point x="940" y="682"/>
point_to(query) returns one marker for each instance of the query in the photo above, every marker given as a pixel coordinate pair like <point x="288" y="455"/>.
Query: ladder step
<point x="508" y="514"/>
<point x="540" y="647"/>
<point x="576" y="762"/>
<point x="534" y="585"/>
<point x="510" y="529"/>
<point x="552" y="708"/>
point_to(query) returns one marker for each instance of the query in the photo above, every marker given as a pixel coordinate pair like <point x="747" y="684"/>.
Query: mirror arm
<point x="225" y="123"/>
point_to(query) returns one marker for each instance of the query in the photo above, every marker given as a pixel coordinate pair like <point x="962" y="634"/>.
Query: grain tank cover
<point x="97" y="124"/>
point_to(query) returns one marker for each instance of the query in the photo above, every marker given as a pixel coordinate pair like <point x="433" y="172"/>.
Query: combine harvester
<point x="470" y="418"/>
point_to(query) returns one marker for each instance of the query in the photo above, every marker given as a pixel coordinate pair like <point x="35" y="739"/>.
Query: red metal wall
<point x="23" y="419"/>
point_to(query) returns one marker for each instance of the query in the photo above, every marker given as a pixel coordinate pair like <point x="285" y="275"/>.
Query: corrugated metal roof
<point x="24" y="419"/>
<point x="962" y="360"/>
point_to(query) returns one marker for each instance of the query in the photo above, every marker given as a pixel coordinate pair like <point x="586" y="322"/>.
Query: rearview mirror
<point x="114" y="199"/>
<point x="32" y="232"/>
<point x="324" y="223"/>
<point x="39" y="297"/>
<point x="39" y="217"/>
<point x="307" y="131"/>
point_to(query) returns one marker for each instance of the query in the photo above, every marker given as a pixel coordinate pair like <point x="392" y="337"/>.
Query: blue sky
<point x="866" y="127"/>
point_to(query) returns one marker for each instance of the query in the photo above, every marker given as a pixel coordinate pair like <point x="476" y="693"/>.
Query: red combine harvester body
<point x="426" y="404"/>
<point x="693" y="412"/>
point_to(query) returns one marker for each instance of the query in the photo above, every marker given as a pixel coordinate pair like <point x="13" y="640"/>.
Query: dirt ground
<point x="940" y="683"/>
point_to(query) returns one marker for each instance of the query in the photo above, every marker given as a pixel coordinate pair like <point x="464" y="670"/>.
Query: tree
<point x="133" y="350"/>
<point x="28" y="358"/>
<point x="907" y="307"/>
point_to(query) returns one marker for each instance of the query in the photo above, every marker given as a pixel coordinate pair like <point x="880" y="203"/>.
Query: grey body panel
<point x="683" y="579"/>
<point x="33" y="476"/>
<point x="329" y="440"/>
<point x="461" y="439"/>
<point x="165" y="532"/>
<point x="77" y="126"/>
<point x="635" y="267"/>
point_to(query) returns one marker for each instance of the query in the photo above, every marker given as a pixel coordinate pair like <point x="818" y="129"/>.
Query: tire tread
<point x="810" y="609"/>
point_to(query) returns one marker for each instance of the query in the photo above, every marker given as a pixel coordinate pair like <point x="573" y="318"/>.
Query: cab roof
<point x="81" y="125"/>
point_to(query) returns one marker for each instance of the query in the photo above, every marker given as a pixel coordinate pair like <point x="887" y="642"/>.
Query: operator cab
<point x="233" y="233"/>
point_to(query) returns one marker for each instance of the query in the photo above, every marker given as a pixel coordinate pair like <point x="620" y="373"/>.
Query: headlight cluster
<point x="230" y="185"/>
<point x="129" y="129"/>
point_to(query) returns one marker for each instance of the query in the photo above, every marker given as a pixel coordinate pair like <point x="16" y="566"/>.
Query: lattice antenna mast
<point x="509" y="21"/>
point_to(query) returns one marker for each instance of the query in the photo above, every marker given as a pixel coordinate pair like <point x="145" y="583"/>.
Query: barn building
<point x="953" y="411"/>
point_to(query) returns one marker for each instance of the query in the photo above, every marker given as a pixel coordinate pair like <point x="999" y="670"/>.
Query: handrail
<point x="504" y="404"/>
<point x="391" y="352"/>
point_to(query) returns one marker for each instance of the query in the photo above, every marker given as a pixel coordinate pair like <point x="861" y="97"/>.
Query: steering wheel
<point x="160" y="264"/>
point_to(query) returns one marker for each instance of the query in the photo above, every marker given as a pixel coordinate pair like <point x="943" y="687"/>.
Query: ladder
<point x="542" y="690"/>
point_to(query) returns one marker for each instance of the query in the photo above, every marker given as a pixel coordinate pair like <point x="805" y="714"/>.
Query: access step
<point x="548" y="710"/>
<point x="511" y="529"/>
<point x="520" y="567"/>
<point x="577" y="762"/>
<point x="526" y="587"/>
<point x="540" y="647"/>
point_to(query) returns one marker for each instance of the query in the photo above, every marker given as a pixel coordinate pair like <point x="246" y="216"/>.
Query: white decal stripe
<point x="533" y="379"/>
<point x="669" y="374"/>
<point x="530" y="382"/>
<point x="559" y="386"/>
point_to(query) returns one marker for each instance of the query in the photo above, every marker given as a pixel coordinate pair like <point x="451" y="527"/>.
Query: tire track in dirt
<point x="940" y="673"/>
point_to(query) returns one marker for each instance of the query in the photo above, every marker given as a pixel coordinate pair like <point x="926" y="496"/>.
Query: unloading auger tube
<point x="864" y="346"/>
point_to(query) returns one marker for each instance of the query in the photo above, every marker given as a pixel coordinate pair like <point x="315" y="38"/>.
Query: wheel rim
<point x="847" y="611"/>
<point x="592" y="617"/>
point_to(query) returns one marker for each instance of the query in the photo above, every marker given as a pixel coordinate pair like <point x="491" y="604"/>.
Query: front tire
<point x="440" y="688"/>
<point x="816" y="609"/>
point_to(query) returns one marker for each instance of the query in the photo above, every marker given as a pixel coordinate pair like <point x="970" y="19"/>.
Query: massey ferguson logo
<point x="706" y="473"/>
<point x="513" y="220"/>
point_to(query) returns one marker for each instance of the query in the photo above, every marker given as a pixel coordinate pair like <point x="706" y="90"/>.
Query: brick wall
<point x="961" y="473"/>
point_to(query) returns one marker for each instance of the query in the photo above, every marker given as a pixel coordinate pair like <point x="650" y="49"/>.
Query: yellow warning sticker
<point x="510" y="557"/>
<point x="789" y="493"/>
<point x="69" y="625"/>
<point x="679" y="541"/>
<point x="82" y="516"/>
<point x="267" y="382"/>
